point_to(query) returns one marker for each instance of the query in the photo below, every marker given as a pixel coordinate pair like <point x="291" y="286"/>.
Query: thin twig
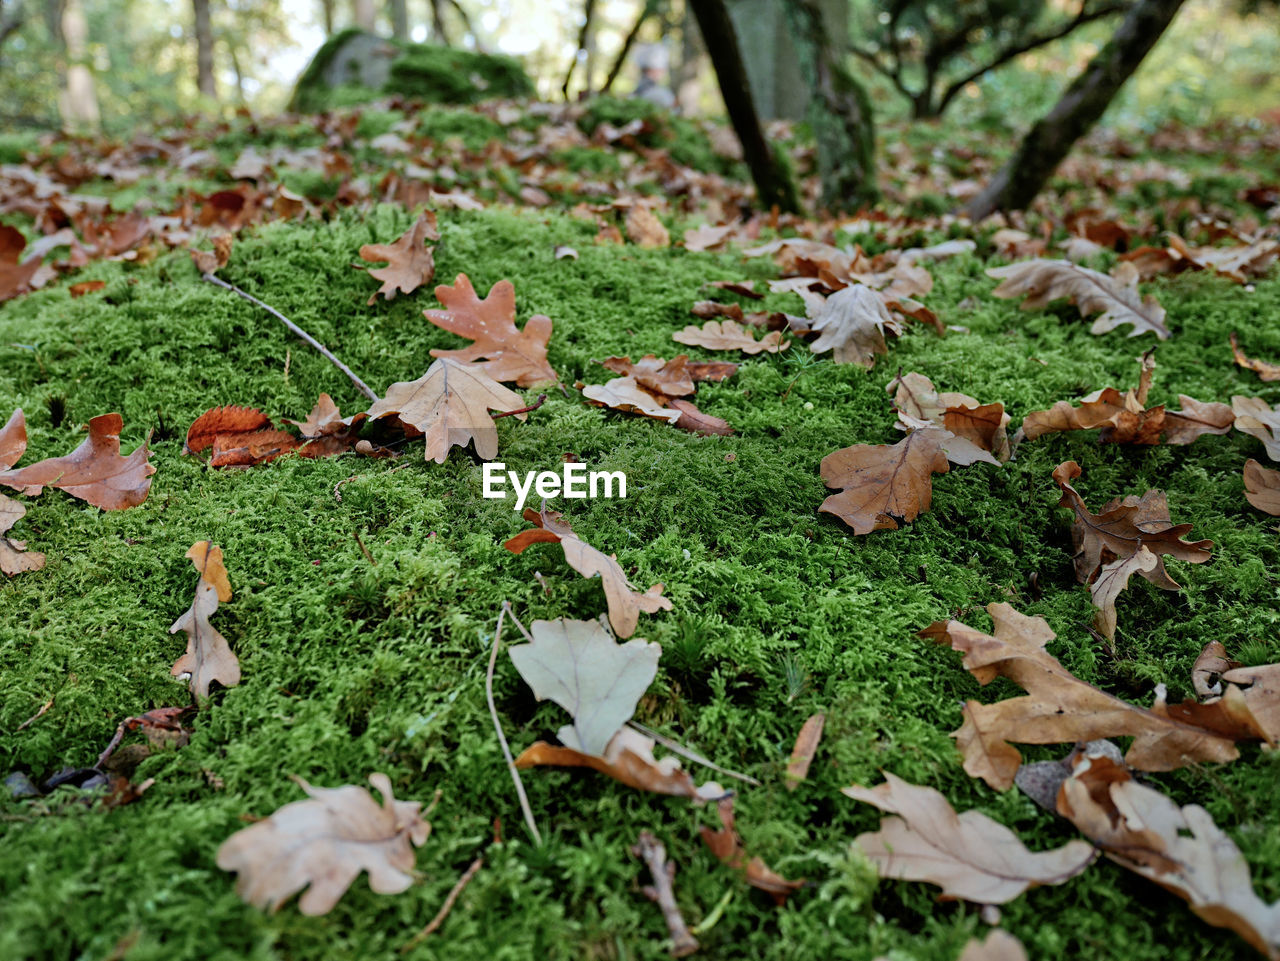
<point x="684" y="752"/>
<point x="360" y="385"/>
<point x="445" y="908"/>
<point x="36" y="716"/>
<point x="542" y="399"/>
<point x="650" y="849"/>
<point x="497" y="726"/>
<point x="364" y="550"/>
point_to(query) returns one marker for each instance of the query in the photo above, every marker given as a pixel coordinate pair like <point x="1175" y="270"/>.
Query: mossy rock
<point x="354" y="67"/>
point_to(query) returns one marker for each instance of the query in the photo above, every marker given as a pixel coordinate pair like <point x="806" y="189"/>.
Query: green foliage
<point x="779" y="611"/>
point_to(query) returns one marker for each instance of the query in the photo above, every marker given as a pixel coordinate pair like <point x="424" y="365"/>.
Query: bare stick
<point x="497" y="726"/>
<point x="36" y="716"/>
<point x="360" y="385"/>
<point x="542" y="399"/>
<point x="650" y="849"/>
<point x="445" y="908"/>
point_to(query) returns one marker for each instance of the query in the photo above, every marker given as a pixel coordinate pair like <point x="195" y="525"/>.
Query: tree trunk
<point x="400" y="19"/>
<point x="839" y="112"/>
<point x="366" y="14"/>
<point x="235" y="68"/>
<point x="774" y="186"/>
<point x="648" y="10"/>
<point x="1047" y="143"/>
<point x="438" y="33"/>
<point x="584" y="42"/>
<point x="692" y="51"/>
<point x="79" y="104"/>
<point x="328" y="12"/>
<point x="204" y="50"/>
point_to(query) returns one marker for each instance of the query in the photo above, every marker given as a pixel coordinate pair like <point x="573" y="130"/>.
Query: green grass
<point x="351" y="668"/>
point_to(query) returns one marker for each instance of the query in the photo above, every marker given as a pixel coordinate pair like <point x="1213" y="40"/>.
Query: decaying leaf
<point x="94" y="472"/>
<point x="1240" y="264"/>
<point x="727" y="846"/>
<point x="1113" y="578"/>
<point x="669" y="378"/>
<point x="450" y="404"/>
<point x="884" y="485"/>
<point x="1123" y="528"/>
<point x="582" y="668"/>
<point x="1262" y="487"/>
<point x="325" y="842"/>
<point x="1255" y="418"/>
<point x="805" y="748"/>
<point x="501" y="349"/>
<point x="208" y="657"/>
<point x="1259" y="688"/>
<point x="1115" y="297"/>
<point x="968" y="855"/>
<point x="644" y="229"/>
<point x="13" y="439"/>
<point x="210" y="262"/>
<point x="206" y="428"/>
<point x="244" y="436"/>
<point x="15" y="277"/>
<point x="14" y="556"/>
<point x="1211" y="664"/>
<point x="409" y="260"/>
<point x="1265" y="370"/>
<point x="626" y="394"/>
<point x="629" y="759"/>
<point x="1125" y="420"/>
<point x="652" y="387"/>
<point x="1059" y="708"/>
<point x="729" y="335"/>
<point x="971" y="431"/>
<point x="852" y="323"/>
<point x="625" y="603"/>
<point x="1179" y="848"/>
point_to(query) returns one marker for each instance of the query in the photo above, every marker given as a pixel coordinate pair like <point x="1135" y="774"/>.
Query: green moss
<point x="473" y="129"/>
<point x="686" y="142"/>
<point x="780" y="611"/>
<point x="15" y="145"/>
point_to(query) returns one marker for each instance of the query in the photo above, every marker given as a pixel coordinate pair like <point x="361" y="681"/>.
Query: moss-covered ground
<point x="352" y="666"/>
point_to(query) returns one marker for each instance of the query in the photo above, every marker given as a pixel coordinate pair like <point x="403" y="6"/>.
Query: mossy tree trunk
<point x="774" y="184"/>
<point x="839" y="111"/>
<point x="1047" y="143"/>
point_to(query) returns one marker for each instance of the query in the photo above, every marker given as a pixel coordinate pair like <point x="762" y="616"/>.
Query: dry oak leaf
<point x="409" y="260"/>
<point x="14" y="556"/>
<point x="852" y="323"/>
<point x="1262" y="487"/>
<point x="325" y="842"/>
<point x="450" y="404"/>
<point x="1125" y="420"/>
<point x="208" y="657"/>
<point x="708" y="237"/>
<point x="244" y="436"/>
<point x="1179" y="848"/>
<point x="626" y="394"/>
<point x="698" y="422"/>
<point x="582" y="668"/>
<point x="1115" y="297"/>
<point x="94" y="472"/>
<point x="729" y="335"/>
<point x="1235" y="263"/>
<point x="211" y="263"/>
<point x="1255" y="418"/>
<point x="206" y="428"/>
<point x="502" y="350"/>
<point x="727" y="846"/>
<point x="1266" y="371"/>
<point x="1059" y="708"/>
<point x="1112" y="579"/>
<point x="13" y="439"/>
<point x="1210" y="665"/>
<point x="1124" y="528"/>
<point x="1259" y="687"/>
<point x="15" y="277"/>
<point x="644" y="229"/>
<point x="968" y="855"/>
<point x="973" y="431"/>
<point x="1000" y="945"/>
<point x="325" y="420"/>
<point x="884" y="484"/>
<point x="624" y="601"/>
<point x="670" y="378"/>
<point x="629" y="759"/>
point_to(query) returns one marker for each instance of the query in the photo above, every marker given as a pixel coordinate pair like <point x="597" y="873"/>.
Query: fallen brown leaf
<point x="1059" y="708"/>
<point x="644" y="229"/>
<point x="884" y="484"/>
<point x="94" y="472"/>
<point x="968" y="855"/>
<point x="14" y="556"/>
<point x="1116" y="297"/>
<point x="628" y="759"/>
<point x="852" y="323"/>
<point x="14" y="276"/>
<point x="727" y="846"/>
<point x="502" y="350"/>
<point x="1262" y="487"/>
<point x="86" y="287"/>
<point x="1000" y="945"/>
<point x="1239" y="264"/>
<point x="325" y="842"/>
<point x="1255" y="418"/>
<point x="728" y="335"/>
<point x="971" y="431"/>
<point x="806" y="747"/>
<point x="1265" y="370"/>
<point x="450" y="404"/>
<point x="1179" y="848"/>
<point x="409" y="261"/>
<point x="625" y="603"/>
<point x="208" y="657"/>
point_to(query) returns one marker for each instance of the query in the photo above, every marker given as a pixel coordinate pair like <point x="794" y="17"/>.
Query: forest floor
<point x="366" y="591"/>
